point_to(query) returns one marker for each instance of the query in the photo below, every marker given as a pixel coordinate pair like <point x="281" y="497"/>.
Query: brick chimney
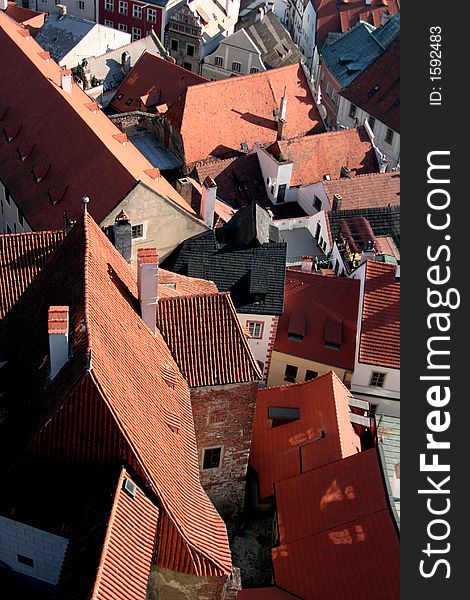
<point x="58" y="329"/>
<point x="66" y="80"/>
<point x="209" y="194"/>
<point x="123" y="236"/>
<point x="337" y="200"/>
<point x="185" y="189"/>
<point x="147" y="284"/>
<point x="307" y="264"/>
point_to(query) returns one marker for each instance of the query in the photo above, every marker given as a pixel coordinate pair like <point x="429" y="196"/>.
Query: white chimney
<point x="209" y="194"/>
<point x="307" y="264"/>
<point x="228" y="7"/>
<point x="61" y="9"/>
<point x="58" y="329"/>
<point x="3" y="4"/>
<point x="283" y="106"/>
<point x="368" y="2"/>
<point x="66" y="80"/>
<point x="147" y="284"/>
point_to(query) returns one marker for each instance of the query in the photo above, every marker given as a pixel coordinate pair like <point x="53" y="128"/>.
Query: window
<point x="174" y="45"/>
<point x="237" y="67"/>
<point x="25" y="560"/>
<point x="122" y="27"/>
<point x="281" y="193"/>
<point x="256" y="329"/>
<point x="122" y="9"/>
<point x="212" y="458"/>
<point x="81" y="5"/>
<point x="109" y="5"/>
<point x="334" y="95"/>
<point x="108" y="23"/>
<point x="137" y="11"/>
<point x="136" y="33"/>
<point x="254" y="70"/>
<point x="371" y="122"/>
<point x="151" y="15"/>
<point x="190" y="49"/>
<point x="137" y="231"/>
<point x="389" y="136"/>
<point x="317" y="203"/>
<point x="377" y="379"/>
<point x="352" y="111"/>
<point x="318" y="231"/>
<point x="219" y="61"/>
<point x="120" y="96"/>
<point x="310" y="375"/>
<point x="328" y="88"/>
<point x="282" y="415"/>
<point x="290" y="373"/>
<point x="128" y="101"/>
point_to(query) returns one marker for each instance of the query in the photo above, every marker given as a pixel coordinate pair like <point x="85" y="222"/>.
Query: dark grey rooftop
<point x="61" y="33"/>
<point x="383" y="220"/>
<point x="155" y="151"/>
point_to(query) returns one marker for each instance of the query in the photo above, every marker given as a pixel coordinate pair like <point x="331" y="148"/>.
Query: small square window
<point x="236" y="67"/>
<point x="371" y="122"/>
<point x="151" y="15"/>
<point x="108" y="23"/>
<point x="377" y="379"/>
<point x="309" y="375"/>
<point x="25" y="560"/>
<point x="190" y="49"/>
<point x="137" y="11"/>
<point x="122" y="27"/>
<point x="212" y="458"/>
<point x="174" y="45"/>
<point x="81" y="5"/>
<point x="136" y="33"/>
<point x="352" y="111"/>
<point x="109" y="5"/>
<point x="254" y="70"/>
<point x="128" y="101"/>
<point x="137" y="231"/>
<point x="256" y="329"/>
<point x="290" y="373"/>
<point x="219" y="61"/>
<point x="389" y="136"/>
<point x="123" y="9"/>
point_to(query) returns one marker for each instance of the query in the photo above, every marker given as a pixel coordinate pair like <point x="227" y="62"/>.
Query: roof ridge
<point x="192" y="296"/>
<point x="323" y="134"/>
<point x="86" y="261"/>
<point x="390" y="173"/>
<point x="296" y="384"/>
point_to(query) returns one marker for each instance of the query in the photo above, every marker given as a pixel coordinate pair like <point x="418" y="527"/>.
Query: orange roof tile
<point x="80" y="145"/>
<point x="317" y="299"/>
<point x="268" y="593"/>
<point x="275" y="451"/>
<point x="25" y="15"/>
<point x="152" y="76"/>
<point x="22" y="256"/>
<point x="206" y="339"/>
<point x="380" y="328"/>
<point x="335" y="530"/>
<point x="325" y="154"/>
<point x="374" y="190"/>
<point x="215" y="118"/>
<point x="173" y="284"/>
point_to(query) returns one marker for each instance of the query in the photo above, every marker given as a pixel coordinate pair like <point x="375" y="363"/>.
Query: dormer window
<point x="282" y="415"/>
<point x="333" y="334"/>
<point x="296" y="327"/>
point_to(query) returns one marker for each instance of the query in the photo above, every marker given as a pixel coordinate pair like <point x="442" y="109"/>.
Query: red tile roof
<point x="380" y="328"/>
<point x="333" y="16"/>
<point x="377" y="190"/>
<point x="337" y="536"/>
<point x="317" y="299"/>
<point x="268" y="593"/>
<point x="319" y="155"/>
<point x="152" y="76"/>
<point x="275" y="451"/>
<point x="25" y="15"/>
<point x="77" y="144"/>
<point x="115" y="352"/>
<point x="22" y="256"/>
<point x="206" y="339"/>
<point x="128" y="546"/>
<point x="173" y="284"/>
<point x="215" y="118"/>
<point x="383" y="104"/>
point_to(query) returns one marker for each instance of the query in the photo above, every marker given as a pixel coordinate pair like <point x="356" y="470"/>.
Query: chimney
<point x="209" y="194"/>
<point x="307" y="264"/>
<point x="284" y="106"/>
<point x="260" y="13"/>
<point x="281" y="122"/>
<point x="185" y="189"/>
<point x="368" y="2"/>
<point x="345" y="172"/>
<point x="58" y="329"/>
<point x="66" y="80"/>
<point x="125" y="62"/>
<point x="3" y="4"/>
<point x="123" y="236"/>
<point x="228" y="7"/>
<point x="61" y="9"/>
<point x="147" y="284"/>
<point x="337" y="200"/>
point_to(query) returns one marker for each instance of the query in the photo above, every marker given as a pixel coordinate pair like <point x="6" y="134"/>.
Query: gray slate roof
<point x="384" y="221"/>
<point x="61" y="33"/>
<point x="389" y="439"/>
<point x="244" y="257"/>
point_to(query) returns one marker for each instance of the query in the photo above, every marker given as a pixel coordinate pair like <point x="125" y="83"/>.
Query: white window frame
<point x="123" y="8"/>
<point x="256" y="329"/>
<point x="235" y="62"/>
<point x="219" y="61"/>
<point x="137" y="11"/>
<point x="144" y="231"/>
<point x="151" y="15"/>
<point x="375" y="376"/>
<point x="136" y="33"/>
<point x="122" y="27"/>
<point x="109" y="5"/>
<point x="108" y="23"/>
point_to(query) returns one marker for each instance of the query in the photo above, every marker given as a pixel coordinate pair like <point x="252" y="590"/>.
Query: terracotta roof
<point x="373" y="190"/>
<point x="173" y="284"/>
<point x="318" y="155"/>
<point x="117" y="357"/>
<point x="78" y="147"/>
<point x="152" y="76"/>
<point x="128" y="546"/>
<point x="337" y="537"/>
<point x="380" y="328"/>
<point x="240" y="110"/>
<point x="223" y="212"/>
<point x="377" y="90"/>
<point x="22" y="256"/>
<point x="385" y="244"/>
<point x="25" y="15"/>
<point x="268" y="593"/>
<point x="206" y="339"/>
<point x="316" y="300"/>
<point x="278" y="452"/>
<point x="333" y="16"/>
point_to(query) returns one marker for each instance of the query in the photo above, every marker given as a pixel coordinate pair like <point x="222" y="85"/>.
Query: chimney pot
<point x="58" y="330"/>
<point x="209" y="195"/>
<point x="147" y="283"/>
<point x="307" y="264"/>
<point x="345" y="172"/>
<point x="337" y="200"/>
<point x="123" y="236"/>
<point x="66" y="80"/>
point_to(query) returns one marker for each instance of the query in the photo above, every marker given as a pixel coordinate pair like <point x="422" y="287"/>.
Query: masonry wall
<point x="164" y="584"/>
<point x="280" y="361"/>
<point x="223" y="418"/>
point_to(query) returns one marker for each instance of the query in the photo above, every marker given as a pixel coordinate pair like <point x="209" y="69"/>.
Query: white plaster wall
<point x="99" y="40"/>
<point x="45" y="549"/>
<point x="230" y="54"/>
<point x="259" y="347"/>
<point x="9" y="215"/>
<point x="306" y="198"/>
<point x="90" y="11"/>
<point x="277" y="173"/>
<point x="309" y="223"/>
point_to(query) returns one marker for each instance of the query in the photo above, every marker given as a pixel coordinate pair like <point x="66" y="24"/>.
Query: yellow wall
<point x="278" y="367"/>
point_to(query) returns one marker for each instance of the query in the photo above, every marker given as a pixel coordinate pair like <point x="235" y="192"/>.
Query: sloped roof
<point x="24" y="15"/>
<point x="315" y="156"/>
<point x="333" y="16"/>
<point x="22" y="256"/>
<point x="384" y="221"/>
<point x="337" y="537"/>
<point x="377" y="89"/>
<point x="115" y="353"/>
<point x="269" y="593"/>
<point x="240" y="258"/>
<point x="62" y="133"/>
<point x="380" y="327"/>
<point x="61" y="33"/>
<point x="374" y="190"/>
<point x="152" y="75"/>
<point x="322" y="434"/>
<point x="215" y="118"/>
<point x="319" y="300"/>
<point x="173" y="284"/>
<point x="206" y="339"/>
